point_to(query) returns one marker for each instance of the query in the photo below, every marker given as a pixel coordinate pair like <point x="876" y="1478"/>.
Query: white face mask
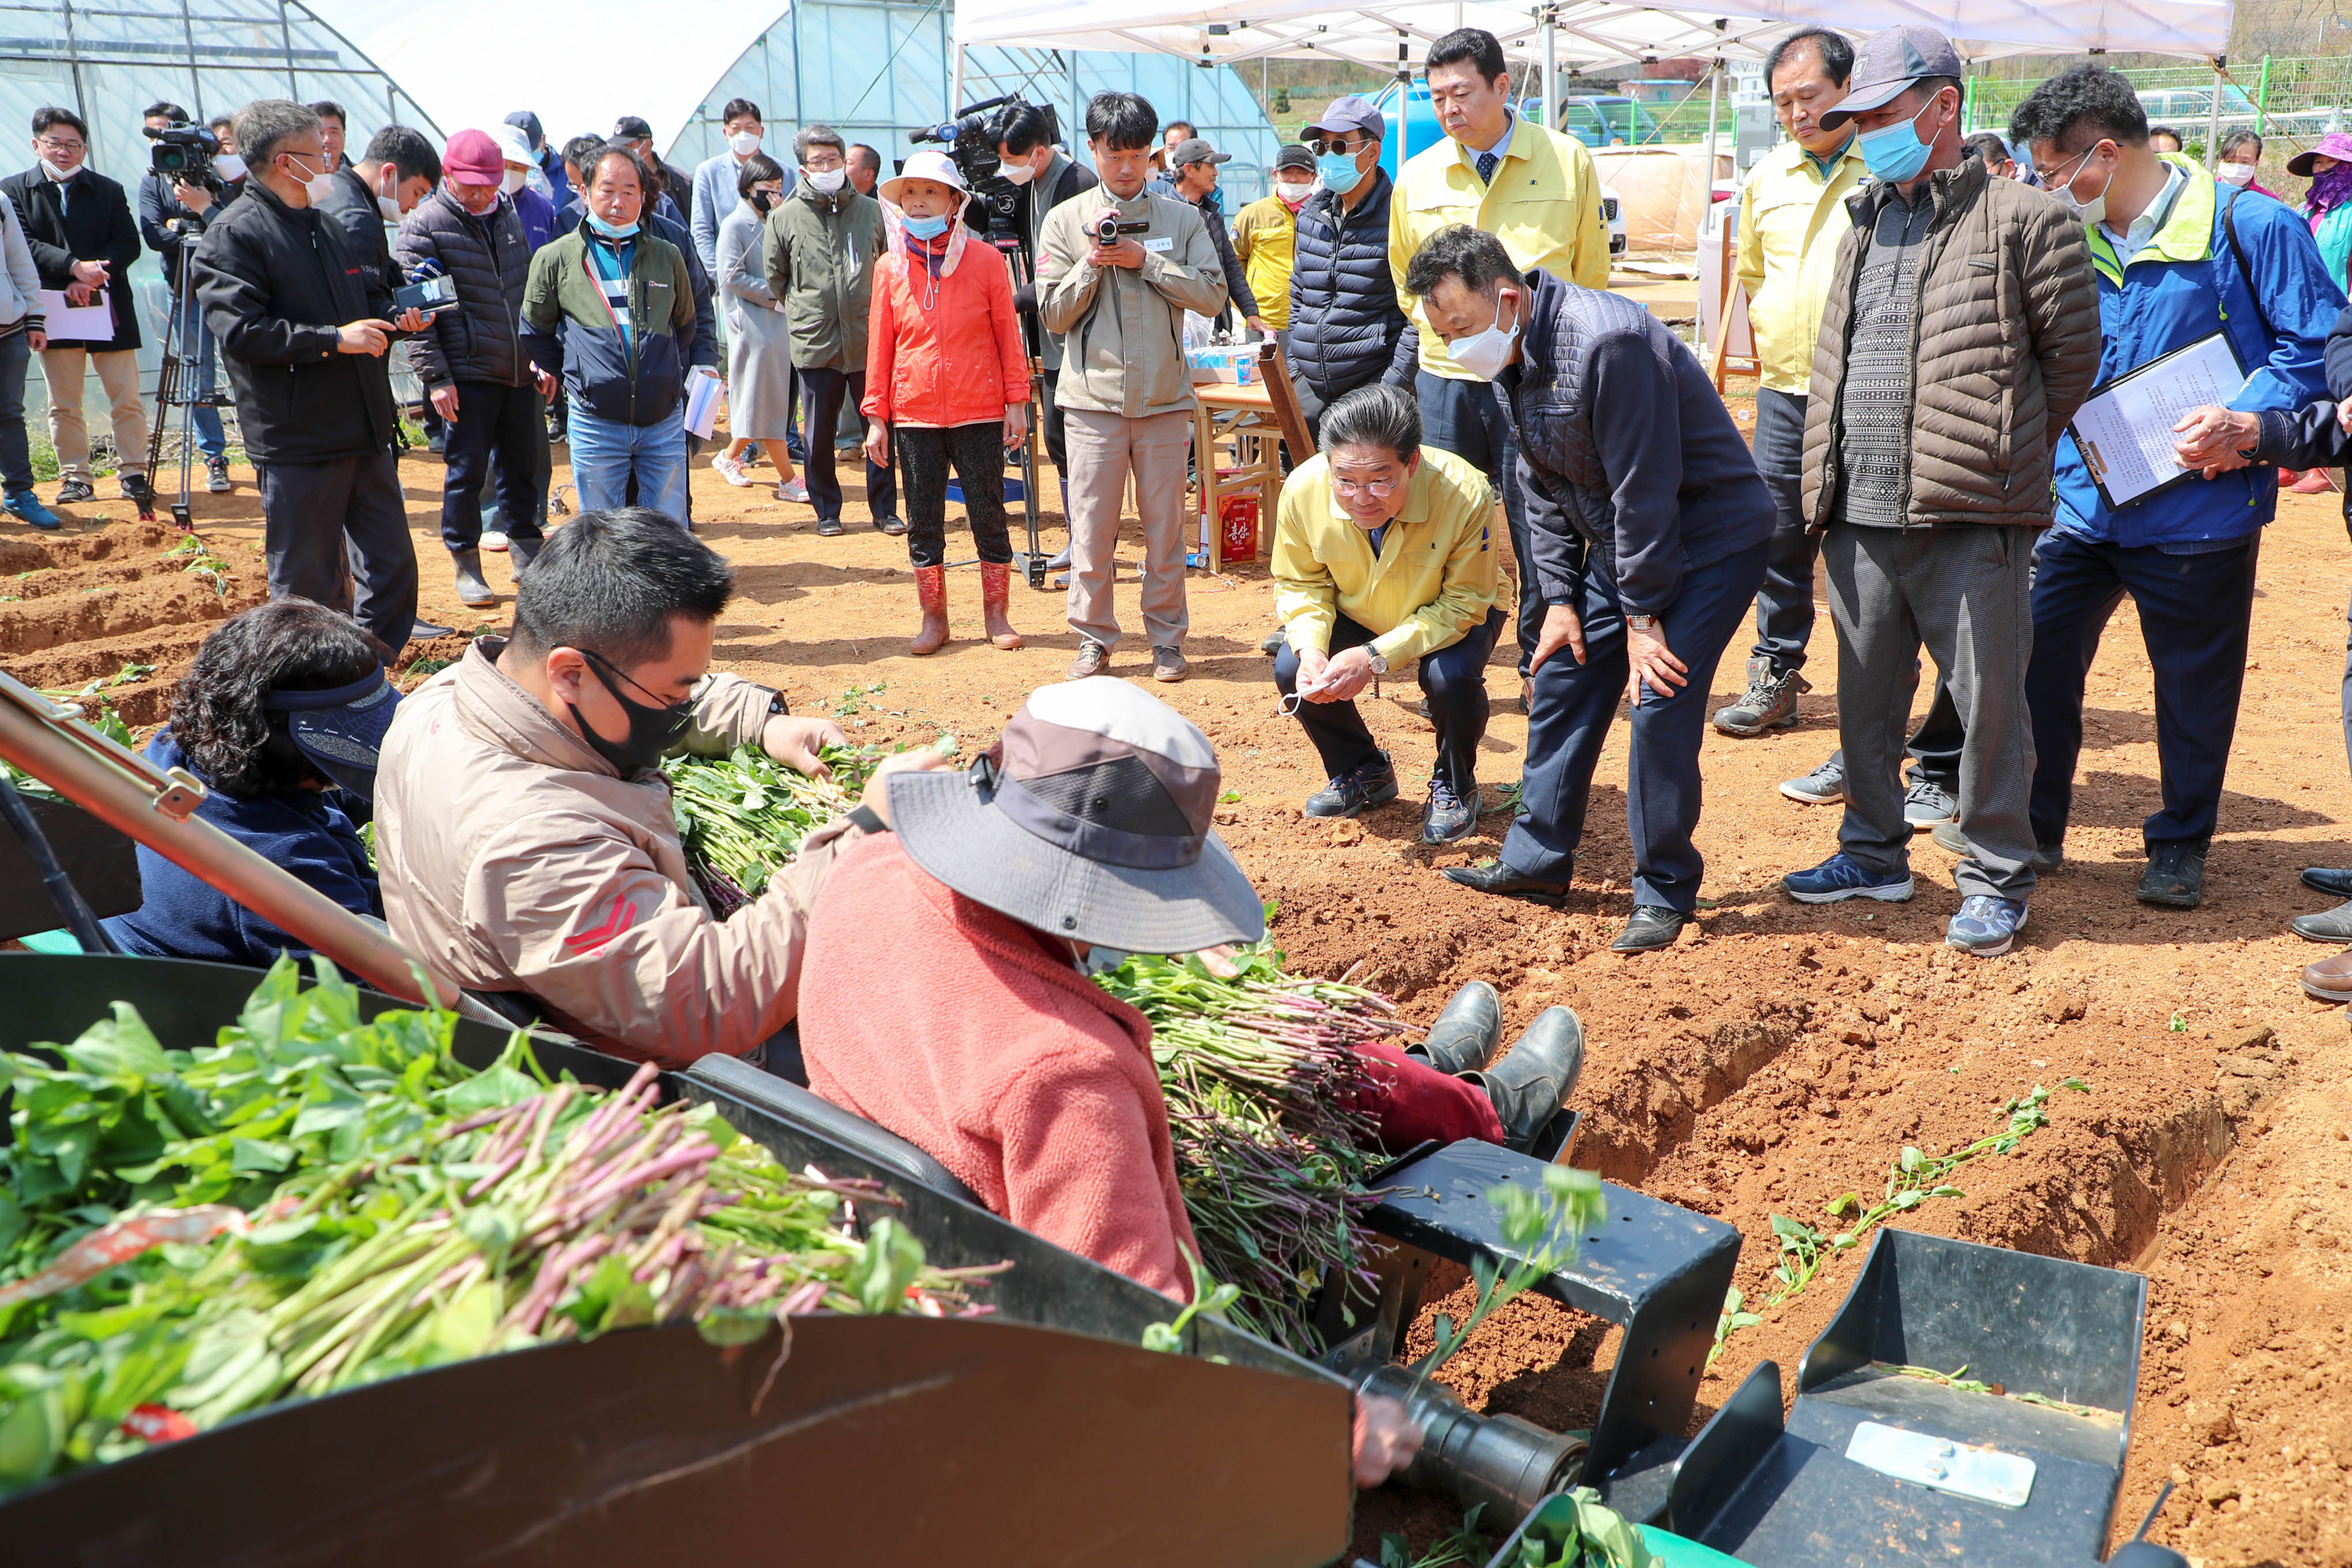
<point x="390" y="207"/>
<point x="2235" y="173"/>
<point x="1489" y="353"/>
<point x="1295" y="191"/>
<point x="229" y="166"/>
<point x="2093" y="211"/>
<point x="743" y="144"/>
<point x="318" y="186"/>
<point x="59" y="172"/>
<point x="826" y="181"/>
<point x="1019" y="174"/>
<point x="512" y="181"/>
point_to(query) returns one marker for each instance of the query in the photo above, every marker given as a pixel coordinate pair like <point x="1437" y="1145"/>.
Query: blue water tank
<point x="1420" y="125"/>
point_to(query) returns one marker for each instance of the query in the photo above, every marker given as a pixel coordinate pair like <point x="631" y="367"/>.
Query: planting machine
<point x="1045" y="1433"/>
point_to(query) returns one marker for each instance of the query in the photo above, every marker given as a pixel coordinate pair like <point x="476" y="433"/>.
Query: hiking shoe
<point x="1986" y="926"/>
<point x="74" y="491"/>
<point x="2175" y="875"/>
<point x="26" y="508"/>
<point x="1373" y="784"/>
<point x="1824" y="786"/>
<point x="1927" y="804"/>
<point x="1770" y="702"/>
<point x="216" y="478"/>
<point x="2046" y="858"/>
<point x="495" y="541"/>
<point x="1169" y="664"/>
<point x="1093" y="660"/>
<point x="1447" y="816"/>
<point x="1841" y="877"/>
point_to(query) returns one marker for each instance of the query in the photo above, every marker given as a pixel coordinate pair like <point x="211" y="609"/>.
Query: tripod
<point x="1029" y="564"/>
<point x="175" y="387"/>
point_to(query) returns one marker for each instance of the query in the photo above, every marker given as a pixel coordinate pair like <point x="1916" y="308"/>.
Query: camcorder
<point x="184" y="153"/>
<point x="970" y="140"/>
<point x="1107" y="228"/>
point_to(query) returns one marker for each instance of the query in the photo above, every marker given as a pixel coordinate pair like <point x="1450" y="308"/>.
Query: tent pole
<point x="1551" y="66"/>
<point x="1073" y="133"/>
<point x="2213" y="120"/>
<point x="2262" y="100"/>
<point x="955" y="83"/>
<point x="1713" y="102"/>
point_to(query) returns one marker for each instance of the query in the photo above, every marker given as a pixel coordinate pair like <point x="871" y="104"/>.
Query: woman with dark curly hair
<point x="280" y="716"/>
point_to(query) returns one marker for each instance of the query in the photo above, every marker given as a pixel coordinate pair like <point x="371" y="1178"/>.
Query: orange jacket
<point x="953" y="357"/>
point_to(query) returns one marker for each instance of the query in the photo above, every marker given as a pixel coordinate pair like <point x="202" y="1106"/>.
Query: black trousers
<point x="1467" y="418"/>
<point x="495" y="424"/>
<point x="317" y="516"/>
<point x="1312" y="402"/>
<point x="977" y="451"/>
<point x="825" y="390"/>
<point x="1454" y="678"/>
<point x="2194" y="615"/>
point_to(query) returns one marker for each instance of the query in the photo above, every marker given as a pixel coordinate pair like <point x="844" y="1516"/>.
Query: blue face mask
<point x="610" y="231"/>
<point x="1339" y="172"/>
<point x="1894" y="153"/>
<point x="925" y="229"/>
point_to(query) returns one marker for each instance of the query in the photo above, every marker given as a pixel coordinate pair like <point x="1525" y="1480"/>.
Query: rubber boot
<point x="995" y="594"/>
<point x="1534" y="1079"/>
<point x="472" y="592"/>
<point x="931" y="591"/>
<point x="1467" y="1032"/>
<point x="521" y="553"/>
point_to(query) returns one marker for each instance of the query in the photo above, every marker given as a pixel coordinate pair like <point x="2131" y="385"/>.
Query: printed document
<point x="2125" y="431"/>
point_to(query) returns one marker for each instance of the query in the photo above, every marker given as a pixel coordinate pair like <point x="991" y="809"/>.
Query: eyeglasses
<point x="1378" y="489"/>
<point x="51" y="144"/>
<point x="1320" y="145"/>
<point x="608" y="666"/>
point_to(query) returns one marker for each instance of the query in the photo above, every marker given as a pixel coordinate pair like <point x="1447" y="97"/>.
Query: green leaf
<point x="736" y="1325"/>
<point x="1163" y="1338"/>
<point x="259" y="1155"/>
<point x="122" y="1047"/>
<point x="487" y="1092"/>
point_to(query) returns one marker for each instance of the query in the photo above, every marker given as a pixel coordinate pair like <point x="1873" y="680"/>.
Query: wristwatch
<point x="1642" y="623"/>
<point x="1380" y="666"/>
<point x="777" y="706"/>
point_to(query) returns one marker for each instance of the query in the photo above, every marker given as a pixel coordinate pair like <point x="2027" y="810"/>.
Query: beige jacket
<point x="2005" y="341"/>
<point x="1122" y="329"/>
<point x="515" y="859"/>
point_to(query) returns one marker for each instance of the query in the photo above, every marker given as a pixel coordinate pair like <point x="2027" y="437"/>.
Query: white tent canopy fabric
<point x="1591" y="32"/>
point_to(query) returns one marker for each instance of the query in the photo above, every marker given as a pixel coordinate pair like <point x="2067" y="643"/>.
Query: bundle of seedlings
<point x="315" y="1202"/>
<point x="744" y="815"/>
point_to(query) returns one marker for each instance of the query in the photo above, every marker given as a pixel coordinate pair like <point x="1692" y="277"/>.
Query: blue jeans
<point x="197" y="358"/>
<point x="606" y="452"/>
<point x="15" y="449"/>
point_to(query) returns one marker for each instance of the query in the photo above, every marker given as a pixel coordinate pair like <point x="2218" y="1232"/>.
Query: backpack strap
<point x="2245" y="273"/>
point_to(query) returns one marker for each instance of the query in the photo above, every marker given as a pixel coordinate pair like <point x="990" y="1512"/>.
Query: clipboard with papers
<point x="2124" y="430"/>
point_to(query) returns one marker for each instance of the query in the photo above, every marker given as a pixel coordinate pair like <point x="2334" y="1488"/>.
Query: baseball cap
<point x="1353" y="112"/>
<point x="1888" y="63"/>
<point x="1193" y="150"/>
<point x="514" y="144"/>
<point x="631" y="128"/>
<point x="1089" y="818"/>
<point x="473" y="158"/>
<point x="1295" y="157"/>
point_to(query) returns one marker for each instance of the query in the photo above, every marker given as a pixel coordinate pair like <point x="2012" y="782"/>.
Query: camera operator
<point x="301" y="323"/>
<point x="1045" y="178"/>
<point x="172" y="214"/>
<point x="1114" y="281"/>
<point x="226" y="162"/>
<point x="84" y="240"/>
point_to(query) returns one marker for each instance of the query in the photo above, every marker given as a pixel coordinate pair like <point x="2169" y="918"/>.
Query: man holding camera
<point x="172" y="212"/>
<point x="1045" y="178"/>
<point x="1114" y="281"/>
<point x="303" y="325"/>
<point x="84" y="240"/>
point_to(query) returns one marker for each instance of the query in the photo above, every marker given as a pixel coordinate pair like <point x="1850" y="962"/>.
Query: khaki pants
<point x="118" y="372"/>
<point x="1103" y="448"/>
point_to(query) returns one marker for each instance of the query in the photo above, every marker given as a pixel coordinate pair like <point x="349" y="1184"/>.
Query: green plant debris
<point x="1913" y="1179"/>
<point x="109" y="724"/>
<point x="1598" y="1537"/>
<point x="1971" y="1386"/>
<point x="423" y="667"/>
<point x="1464" y="1544"/>
<point x="1540" y="1227"/>
<point x="130" y="674"/>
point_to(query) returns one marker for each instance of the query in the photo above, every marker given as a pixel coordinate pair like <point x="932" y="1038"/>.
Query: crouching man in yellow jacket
<point x="1382" y="552"/>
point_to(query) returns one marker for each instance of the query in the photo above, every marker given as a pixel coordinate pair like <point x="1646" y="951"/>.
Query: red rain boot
<point x="995" y="590"/>
<point x="931" y="591"/>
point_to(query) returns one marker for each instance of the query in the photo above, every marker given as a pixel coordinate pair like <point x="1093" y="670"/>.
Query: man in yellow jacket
<point x="1381" y="554"/>
<point x="1536" y="190"/>
<point x="1265" y="236"/>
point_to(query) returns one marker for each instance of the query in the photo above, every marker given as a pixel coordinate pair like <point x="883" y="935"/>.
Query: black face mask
<point x="652" y="730"/>
<point x="762" y="201"/>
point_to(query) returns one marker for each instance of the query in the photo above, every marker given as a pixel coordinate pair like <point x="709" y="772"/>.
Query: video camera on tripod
<point x="184" y="153"/>
<point x="970" y="140"/>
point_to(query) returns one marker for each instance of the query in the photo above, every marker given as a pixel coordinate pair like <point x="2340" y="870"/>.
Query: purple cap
<point x="1888" y="63"/>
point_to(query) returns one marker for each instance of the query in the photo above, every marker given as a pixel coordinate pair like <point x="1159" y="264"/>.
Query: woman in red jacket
<point x="946" y="374"/>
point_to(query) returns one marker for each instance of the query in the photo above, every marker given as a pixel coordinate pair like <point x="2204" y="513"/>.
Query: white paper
<point x="90" y="323"/>
<point x="2126" y="433"/>
<point x="702" y="389"/>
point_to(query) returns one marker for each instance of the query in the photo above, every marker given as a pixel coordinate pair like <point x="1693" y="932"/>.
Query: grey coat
<point x="759" y="336"/>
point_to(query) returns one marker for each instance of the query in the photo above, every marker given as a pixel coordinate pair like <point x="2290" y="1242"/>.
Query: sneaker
<point x="1770" y="703"/>
<point x="26" y="508"/>
<point x="1824" y="786"/>
<point x="1373" y="784"/>
<point x="1093" y="660"/>
<point x="1169" y="664"/>
<point x="216" y="475"/>
<point x="74" y="491"/>
<point x="2175" y="875"/>
<point x="730" y="469"/>
<point x="792" y="489"/>
<point x="1447" y="816"/>
<point x="136" y="490"/>
<point x="1841" y="877"/>
<point x="493" y="540"/>
<point x="2046" y="858"/>
<point x="1986" y="926"/>
<point x="1927" y="804"/>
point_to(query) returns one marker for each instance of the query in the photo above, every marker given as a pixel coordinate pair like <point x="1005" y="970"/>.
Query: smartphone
<point x="432" y="297"/>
